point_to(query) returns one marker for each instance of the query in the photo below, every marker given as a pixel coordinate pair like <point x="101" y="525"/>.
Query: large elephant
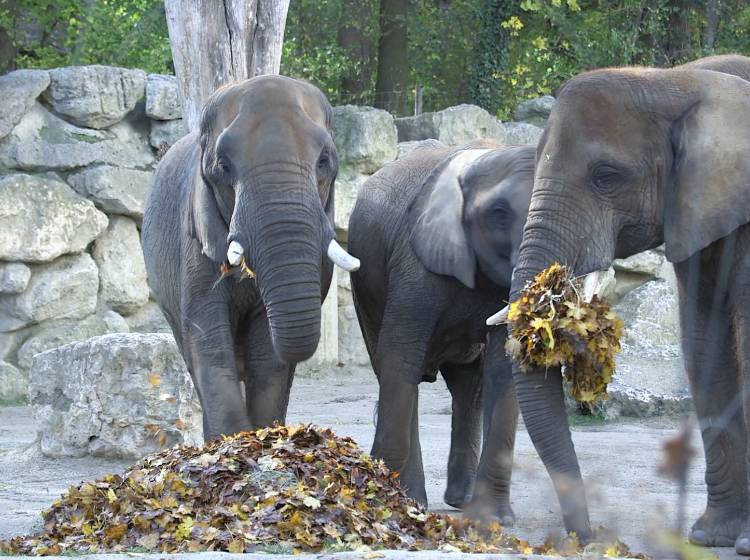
<point x="437" y="232"/>
<point x="633" y="158"/>
<point x="252" y="188"/>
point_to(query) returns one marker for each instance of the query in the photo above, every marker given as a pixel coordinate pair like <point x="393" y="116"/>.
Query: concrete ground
<point x="619" y="461"/>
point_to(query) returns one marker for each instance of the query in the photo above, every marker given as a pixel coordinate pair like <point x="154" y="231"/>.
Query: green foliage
<point x="494" y="53"/>
<point x="50" y="33"/>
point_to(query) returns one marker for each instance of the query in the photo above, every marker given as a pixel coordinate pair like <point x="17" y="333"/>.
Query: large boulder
<point x="535" y="111"/>
<point x="348" y="184"/>
<point x="148" y="319"/>
<point x="365" y="137"/>
<point x="122" y="271"/>
<point x="42" y="218"/>
<point x="116" y="190"/>
<point x="19" y="91"/>
<point x="45" y="141"/>
<point x="116" y="395"/>
<point x="165" y="133"/>
<point x="162" y="97"/>
<point x="650" y="378"/>
<point x="454" y="126"/>
<point x="94" y="96"/>
<point x="14" y="277"/>
<point x="52" y="334"/>
<point x="63" y="289"/>
<point x="521" y="134"/>
<point x="14" y="385"/>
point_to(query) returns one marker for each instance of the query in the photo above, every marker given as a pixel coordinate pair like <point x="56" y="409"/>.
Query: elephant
<point x="248" y="194"/>
<point x="633" y="158"/>
<point x="437" y="231"/>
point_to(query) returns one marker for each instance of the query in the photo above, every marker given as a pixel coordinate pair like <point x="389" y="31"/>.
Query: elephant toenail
<point x="698" y="537"/>
<point x="742" y="546"/>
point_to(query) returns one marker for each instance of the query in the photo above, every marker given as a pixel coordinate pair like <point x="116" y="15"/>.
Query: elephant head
<point x="265" y="193"/>
<point x="631" y="158"/>
<point x="470" y="212"/>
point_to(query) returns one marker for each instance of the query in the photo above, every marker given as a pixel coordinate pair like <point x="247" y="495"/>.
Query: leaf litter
<point x="300" y="486"/>
<point x="554" y="326"/>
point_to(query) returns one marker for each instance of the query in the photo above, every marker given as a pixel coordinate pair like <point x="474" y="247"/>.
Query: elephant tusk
<point x="498" y="318"/>
<point x="341" y="258"/>
<point x="234" y="253"/>
<point x="592" y="285"/>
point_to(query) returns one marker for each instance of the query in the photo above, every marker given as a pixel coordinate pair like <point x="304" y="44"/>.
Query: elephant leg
<point x="465" y="385"/>
<point x="491" y="499"/>
<point x="710" y="360"/>
<point x="268" y="379"/>
<point x="209" y="350"/>
<point x="742" y="336"/>
<point x="399" y="361"/>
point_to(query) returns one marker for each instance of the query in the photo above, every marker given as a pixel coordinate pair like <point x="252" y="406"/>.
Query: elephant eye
<point x="500" y="215"/>
<point x="222" y="164"/>
<point x="323" y="161"/>
<point x="606" y="178"/>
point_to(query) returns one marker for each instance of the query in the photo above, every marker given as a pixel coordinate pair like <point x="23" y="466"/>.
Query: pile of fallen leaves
<point x="553" y="325"/>
<point x="295" y="488"/>
<point x="298" y="486"/>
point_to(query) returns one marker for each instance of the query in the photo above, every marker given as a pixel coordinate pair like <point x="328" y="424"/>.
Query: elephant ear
<point x="207" y="224"/>
<point x="438" y="236"/>
<point x="708" y="196"/>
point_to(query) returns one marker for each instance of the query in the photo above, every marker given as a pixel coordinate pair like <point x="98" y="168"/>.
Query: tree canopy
<point x="493" y="53"/>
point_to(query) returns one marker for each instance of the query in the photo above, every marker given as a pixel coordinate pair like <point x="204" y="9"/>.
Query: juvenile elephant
<point x="252" y="189"/>
<point x="632" y="158"/>
<point x="438" y="231"/>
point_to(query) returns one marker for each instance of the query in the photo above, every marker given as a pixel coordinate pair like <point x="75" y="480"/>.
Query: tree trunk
<point x="353" y="39"/>
<point x="712" y="23"/>
<point x="221" y="41"/>
<point x="393" y="62"/>
<point x="491" y="54"/>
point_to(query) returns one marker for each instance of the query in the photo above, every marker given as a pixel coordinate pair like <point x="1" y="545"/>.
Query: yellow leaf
<point x="237" y="546"/>
<point x="184" y="529"/>
<point x="154" y="379"/>
<point x="116" y="532"/>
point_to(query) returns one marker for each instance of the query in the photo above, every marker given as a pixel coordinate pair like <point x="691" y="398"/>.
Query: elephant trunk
<point x="282" y="243"/>
<point x="540" y="392"/>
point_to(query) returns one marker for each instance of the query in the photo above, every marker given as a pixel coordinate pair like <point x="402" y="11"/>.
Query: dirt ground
<point x="619" y="461"/>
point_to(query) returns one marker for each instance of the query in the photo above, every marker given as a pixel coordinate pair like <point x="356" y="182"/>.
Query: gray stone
<point x="365" y="137"/>
<point x="19" y="91"/>
<point x="535" y="111"/>
<point x="165" y="133"/>
<point x="162" y="97"/>
<point x="650" y="378"/>
<point x="647" y="262"/>
<point x="42" y="218"/>
<point x="44" y="141"/>
<point x="122" y="271"/>
<point x="148" y="319"/>
<point x="116" y="395"/>
<point x="521" y="134"/>
<point x="11" y="341"/>
<point x="14" y="277"/>
<point x="405" y="148"/>
<point x="348" y="183"/>
<point x="14" y="385"/>
<point x="454" y="126"/>
<point x="352" y="349"/>
<point x="116" y="190"/>
<point x="53" y="334"/>
<point x="63" y="289"/>
<point x="94" y="96"/>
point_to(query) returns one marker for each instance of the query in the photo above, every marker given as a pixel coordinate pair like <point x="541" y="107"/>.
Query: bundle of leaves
<point x="553" y="325"/>
<point x="299" y="487"/>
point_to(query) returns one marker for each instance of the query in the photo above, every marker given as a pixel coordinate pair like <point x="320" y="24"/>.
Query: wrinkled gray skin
<point x="259" y="171"/>
<point x="633" y="158"/>
<point x="437" y="232"/>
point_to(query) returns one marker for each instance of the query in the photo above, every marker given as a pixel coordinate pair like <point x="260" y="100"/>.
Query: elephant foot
<point x="457" y="495"/>
<point x="721" y="527"/>
<point x="487" y="512"/>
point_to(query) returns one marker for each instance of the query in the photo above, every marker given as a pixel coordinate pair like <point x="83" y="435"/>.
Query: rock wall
<point x="77" y="149"/>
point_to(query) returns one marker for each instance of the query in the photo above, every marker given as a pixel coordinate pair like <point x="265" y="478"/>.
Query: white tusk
<point x="592" y="285"/>
<point x="234" y="253"/>
<point x="498" y="318"/>
<point x="341" y="258"/>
